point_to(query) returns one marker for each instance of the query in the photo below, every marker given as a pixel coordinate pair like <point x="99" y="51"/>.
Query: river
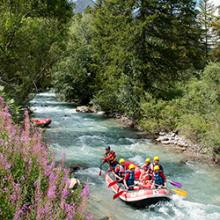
<point x="82" y="138"/>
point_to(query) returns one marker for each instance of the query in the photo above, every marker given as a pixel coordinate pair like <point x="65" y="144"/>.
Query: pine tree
<point x="206" y="18"/>
<point x="216" y="30"/>
<point x="166" y="41"/>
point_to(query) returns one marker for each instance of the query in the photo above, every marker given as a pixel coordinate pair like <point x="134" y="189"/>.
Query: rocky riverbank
<point x="173" y="140"/>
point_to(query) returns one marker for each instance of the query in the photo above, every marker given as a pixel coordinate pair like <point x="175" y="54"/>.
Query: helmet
<point x="131" y="166"/>
<point x="156" y="158"/>
<point x="156" y="168"/>
<point x="121" y="160"/>
<point x="147" y="160"/>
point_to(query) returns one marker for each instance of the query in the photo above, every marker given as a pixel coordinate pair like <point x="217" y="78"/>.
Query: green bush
<point x="195" y="113"/>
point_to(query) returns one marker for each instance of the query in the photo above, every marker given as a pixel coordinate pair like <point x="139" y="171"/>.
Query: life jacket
<point x="161" y="168"/>
<point x="112" y="156"/>
<point x="147" y="167"/>
<point x="121" y="171"/>
<point x="158" y="180"/>
<point x="130" y="180"/>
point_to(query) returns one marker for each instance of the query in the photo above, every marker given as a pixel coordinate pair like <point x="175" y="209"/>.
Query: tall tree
<point x="206" y="18"/>
<point x="138" y="46"/>
<point x="73" y="76"/>
<point x="31" y="41"/>
<point x="216" y="30"/>
<point x="167" y="41"/>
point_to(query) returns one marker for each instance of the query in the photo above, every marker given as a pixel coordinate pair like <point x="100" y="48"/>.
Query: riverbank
<point x="169" y="140"/>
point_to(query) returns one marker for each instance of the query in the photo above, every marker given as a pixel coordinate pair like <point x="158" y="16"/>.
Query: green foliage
<point x="159" y="115"/>
<point x="195" y="113"/>
<point x="33" y="187"/>
<point x="205" y="19"/>
<point x="14" y="109"/>
<point x="143" y="59"/>
<point x="31" y="41"/>
<point x="119" y="50"/>
<point x="216" y="29"/>
<point x="74" y="75"/>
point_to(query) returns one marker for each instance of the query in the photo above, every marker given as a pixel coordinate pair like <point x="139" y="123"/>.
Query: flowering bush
<point x="32" y="187"/>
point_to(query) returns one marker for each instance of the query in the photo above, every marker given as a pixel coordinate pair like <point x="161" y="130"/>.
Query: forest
<point x="156" y="62"/>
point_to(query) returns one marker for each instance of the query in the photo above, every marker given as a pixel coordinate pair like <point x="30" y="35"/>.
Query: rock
<point x="106" y="218"/>
<point x="126" y="121"/>
<point x="162" y="133"/>
<point x="172" y="138"/>
<point x="86" y="109"/>
<point x="100" y="113"/>
<point x="183" y="161"/>
<point x="74" y="183"/>
<point x="82" y="109"/>
<point x="74" y="168"/>
<point x="162" y="138"/>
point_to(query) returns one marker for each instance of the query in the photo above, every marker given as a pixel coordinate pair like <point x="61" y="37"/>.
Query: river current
<point x="82" y="138"/>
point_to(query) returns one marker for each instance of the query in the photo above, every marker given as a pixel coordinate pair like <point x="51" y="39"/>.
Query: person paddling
<point x="158" y="178"/>
<point x="156" y="163"/>
<point x="129" y="177"/>
<point x="110" y="158"/>
<point x="120" y="170"/>
<point x="147" y="171"/>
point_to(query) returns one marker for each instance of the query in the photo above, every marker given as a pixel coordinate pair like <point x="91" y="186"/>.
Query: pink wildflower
<point x="85" y="192"/>
<point x="89" y="216"/>
<point x="4" y="163"/>
<point x="70" y="211"/>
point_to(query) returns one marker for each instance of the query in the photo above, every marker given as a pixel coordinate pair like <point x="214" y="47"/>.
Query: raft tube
<point x="41" y="122"/>
<point x="139" y="198"/>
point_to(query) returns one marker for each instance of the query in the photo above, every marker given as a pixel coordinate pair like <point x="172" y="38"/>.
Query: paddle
<point x="115" y="182"/>
<point x="100" y="172"/>
<point x="176" y="184"/>
<point x="112" y="183"/>
<point x="180" y="192"/>
<point x="118" y="194"/>
<point x="121" y="192"/>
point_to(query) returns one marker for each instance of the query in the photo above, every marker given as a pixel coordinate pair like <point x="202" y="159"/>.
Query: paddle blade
<point x="100" y="172"/>
<point x="180" y="192"/>
<point x="118" y="194"/>
<point x="112" y="183"/>
<point x="176" y="184"/>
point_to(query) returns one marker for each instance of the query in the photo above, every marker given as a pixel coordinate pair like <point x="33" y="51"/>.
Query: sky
<point x="216" y="2"/>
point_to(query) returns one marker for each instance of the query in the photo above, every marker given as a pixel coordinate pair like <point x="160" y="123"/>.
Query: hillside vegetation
<point x="148" y="60"/>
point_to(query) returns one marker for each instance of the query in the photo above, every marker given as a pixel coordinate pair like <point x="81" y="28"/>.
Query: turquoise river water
<point x="82" y="137"/>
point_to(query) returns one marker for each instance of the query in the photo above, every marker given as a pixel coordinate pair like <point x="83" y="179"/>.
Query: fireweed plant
<point x="31" y="185"/>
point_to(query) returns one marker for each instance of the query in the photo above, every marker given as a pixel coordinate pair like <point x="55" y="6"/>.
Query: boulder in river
<point x="74" y="183"/>
<point x="173" y="138"/>
<point x="86" y="109"/>
<point x="106" y="218"/>
<point x="74" y="168"/>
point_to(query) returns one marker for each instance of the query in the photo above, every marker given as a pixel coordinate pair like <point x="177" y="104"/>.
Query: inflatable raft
<point x="140" y="197"/>
<point x="41" y="122"/>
